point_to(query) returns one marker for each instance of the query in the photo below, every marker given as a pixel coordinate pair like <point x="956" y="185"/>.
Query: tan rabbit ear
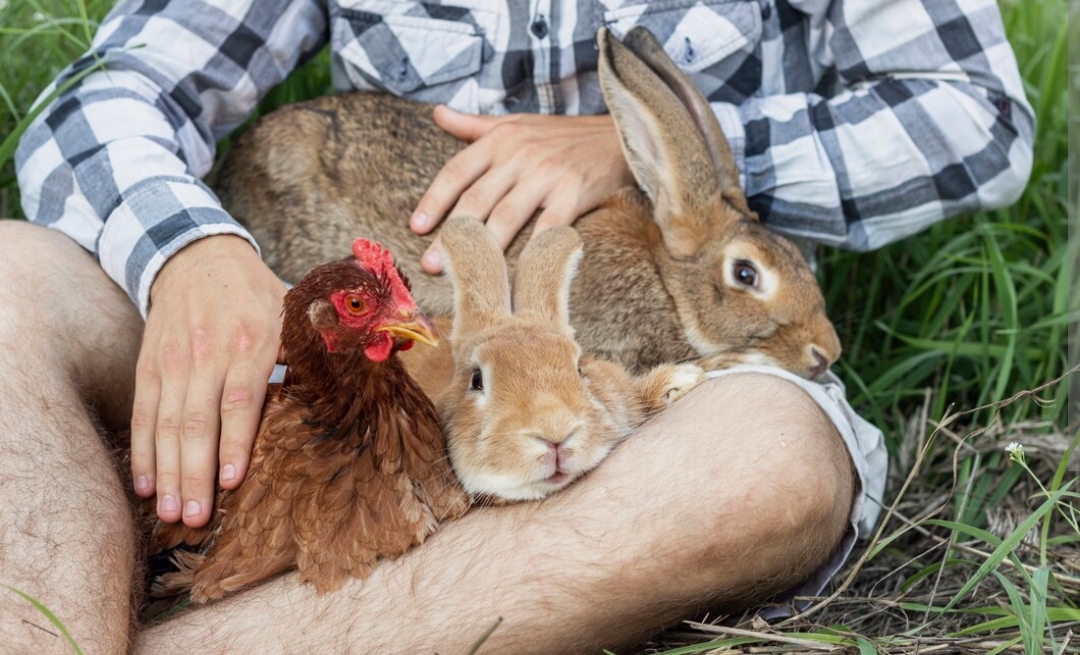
<point x="641" y="42"/>
<point x="542" y="279"/>
<point x="478" y="271"/>
<point x="663" y="145"/>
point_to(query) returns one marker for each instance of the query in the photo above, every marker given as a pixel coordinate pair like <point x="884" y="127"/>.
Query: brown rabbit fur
<point x="525" y="413"/>
<point x="678" y="270"/>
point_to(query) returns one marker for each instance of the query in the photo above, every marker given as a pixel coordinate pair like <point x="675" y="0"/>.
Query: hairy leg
<point x="68" y="342"/>
<point x="739" y="491"/>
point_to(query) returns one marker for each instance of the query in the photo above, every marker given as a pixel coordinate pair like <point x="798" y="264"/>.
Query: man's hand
<point x="517" y="164"/>
<point x="211" y="340"/>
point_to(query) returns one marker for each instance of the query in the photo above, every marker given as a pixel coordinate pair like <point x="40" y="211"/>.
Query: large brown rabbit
<point x="678" y="270"/>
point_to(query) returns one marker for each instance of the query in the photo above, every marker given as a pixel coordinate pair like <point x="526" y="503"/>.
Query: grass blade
<point x="1006" y="547"/>
<point x="47" y="613"/>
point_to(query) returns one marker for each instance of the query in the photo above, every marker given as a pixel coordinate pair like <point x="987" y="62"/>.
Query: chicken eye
<point x="745" y="274"/>
<point x="477" y="380"/>
<point x="356" y="304"/>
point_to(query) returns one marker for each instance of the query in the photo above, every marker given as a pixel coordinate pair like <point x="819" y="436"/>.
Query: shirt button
<point x="539" y="28"/>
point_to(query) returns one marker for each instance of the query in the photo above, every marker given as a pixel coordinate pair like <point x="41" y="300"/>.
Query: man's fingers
<point x="561" y="209"/>
<point x="456" y="175"/>
<point x="143" y="428"/>
<point x="493" y="197"/>
<point x="567" y="164"/>
<point x="433" y="260"/>
<point x="514" y="211"/>
<point x="170" y="414"/>
<point x="241" y="408"/>
<point x="467" y="127"/>
<point x="198" y="446"/>
<point x="481" y="198"/>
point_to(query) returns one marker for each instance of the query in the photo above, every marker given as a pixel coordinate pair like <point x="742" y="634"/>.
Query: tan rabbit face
<point x="752" y="299"/>
<point x="524" y="421"/>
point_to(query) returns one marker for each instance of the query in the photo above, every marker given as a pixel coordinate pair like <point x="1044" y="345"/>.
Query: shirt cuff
<point x="735" y="133"/>
<point x="154" y="223"/>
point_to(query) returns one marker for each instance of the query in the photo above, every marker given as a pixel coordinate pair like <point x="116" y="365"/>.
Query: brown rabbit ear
<point x="663" y="146"/>
<point x="643" y="43"/>
<point x="478" y="271"/>
<point x="542" y="279"/>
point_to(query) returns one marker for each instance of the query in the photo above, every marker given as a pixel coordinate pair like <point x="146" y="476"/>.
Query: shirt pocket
<point x="696" y="34"/>
<point x="383" y="46"/>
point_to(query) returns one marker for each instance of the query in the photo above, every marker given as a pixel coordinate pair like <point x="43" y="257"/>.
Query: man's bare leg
<point x="739" y="491"/>
<point x="68" y="343"/>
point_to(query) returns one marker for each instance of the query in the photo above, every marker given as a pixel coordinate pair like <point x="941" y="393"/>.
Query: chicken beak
<point x="414" y="327"/>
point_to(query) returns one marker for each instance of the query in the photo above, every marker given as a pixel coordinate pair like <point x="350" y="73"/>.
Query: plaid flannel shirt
<point x="854" y="122"/>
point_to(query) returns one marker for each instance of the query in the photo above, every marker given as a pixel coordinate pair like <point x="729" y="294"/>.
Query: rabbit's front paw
<point x="682" y="379"/>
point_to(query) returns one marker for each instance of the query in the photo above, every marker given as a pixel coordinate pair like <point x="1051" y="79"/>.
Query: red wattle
<point x="379" y="349"/>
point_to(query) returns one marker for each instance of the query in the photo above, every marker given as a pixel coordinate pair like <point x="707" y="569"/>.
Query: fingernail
<point x="142" y="483"/>
<point x="228" y="472"/>
<point x="419" y="221"/>
<point x="433" y="259"/>
<point x="192" y="508"/>
<point x="168" y="504"/>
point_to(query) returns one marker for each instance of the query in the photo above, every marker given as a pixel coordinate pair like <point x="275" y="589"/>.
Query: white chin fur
<point x="510" y="487"/>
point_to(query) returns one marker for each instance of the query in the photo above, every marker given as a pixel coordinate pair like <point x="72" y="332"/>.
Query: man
<point x="854" y="123"/>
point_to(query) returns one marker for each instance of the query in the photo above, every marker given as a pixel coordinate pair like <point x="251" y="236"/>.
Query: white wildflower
<point x="1016" y="452"/>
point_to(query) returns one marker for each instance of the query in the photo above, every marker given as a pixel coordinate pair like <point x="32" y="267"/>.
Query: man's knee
<point x="781" y="475"/>
<point x="812" y="471"/>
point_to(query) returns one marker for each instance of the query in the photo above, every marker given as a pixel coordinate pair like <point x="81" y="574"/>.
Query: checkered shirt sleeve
<point x="116" y="161"/>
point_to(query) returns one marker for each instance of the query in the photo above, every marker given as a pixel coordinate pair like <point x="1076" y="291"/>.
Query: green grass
<point x="963" y="316"/>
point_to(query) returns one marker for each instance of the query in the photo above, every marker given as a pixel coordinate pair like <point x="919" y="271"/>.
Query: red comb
<point x="373" y="256"/>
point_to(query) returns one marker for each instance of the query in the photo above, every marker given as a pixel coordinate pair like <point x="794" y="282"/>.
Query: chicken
<point x="349" y="464"/>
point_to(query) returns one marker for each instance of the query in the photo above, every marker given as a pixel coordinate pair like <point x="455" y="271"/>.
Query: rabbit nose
<point x="822" y="364"/>
<point x="556" y="447"/>
<point x="553" y="455"/>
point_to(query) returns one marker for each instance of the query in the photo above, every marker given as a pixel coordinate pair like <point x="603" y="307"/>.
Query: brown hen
<point x="349" y="464"/>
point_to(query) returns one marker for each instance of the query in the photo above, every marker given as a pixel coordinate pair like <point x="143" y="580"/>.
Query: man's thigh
<point x="62" y="316"/>
<point x="69" y="340"/>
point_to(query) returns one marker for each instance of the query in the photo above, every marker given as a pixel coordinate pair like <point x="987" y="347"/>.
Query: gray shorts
<point x="865" y="444"/>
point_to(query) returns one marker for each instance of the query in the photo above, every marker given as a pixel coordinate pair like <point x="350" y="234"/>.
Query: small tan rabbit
<point x="679" y="270"/>
<point x="525" y="413"/>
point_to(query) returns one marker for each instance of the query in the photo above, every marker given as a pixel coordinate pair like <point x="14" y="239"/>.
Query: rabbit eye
<point x="477" y="380"/>
<point x="580" y="372"/>
<point x="745" y="274"/>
